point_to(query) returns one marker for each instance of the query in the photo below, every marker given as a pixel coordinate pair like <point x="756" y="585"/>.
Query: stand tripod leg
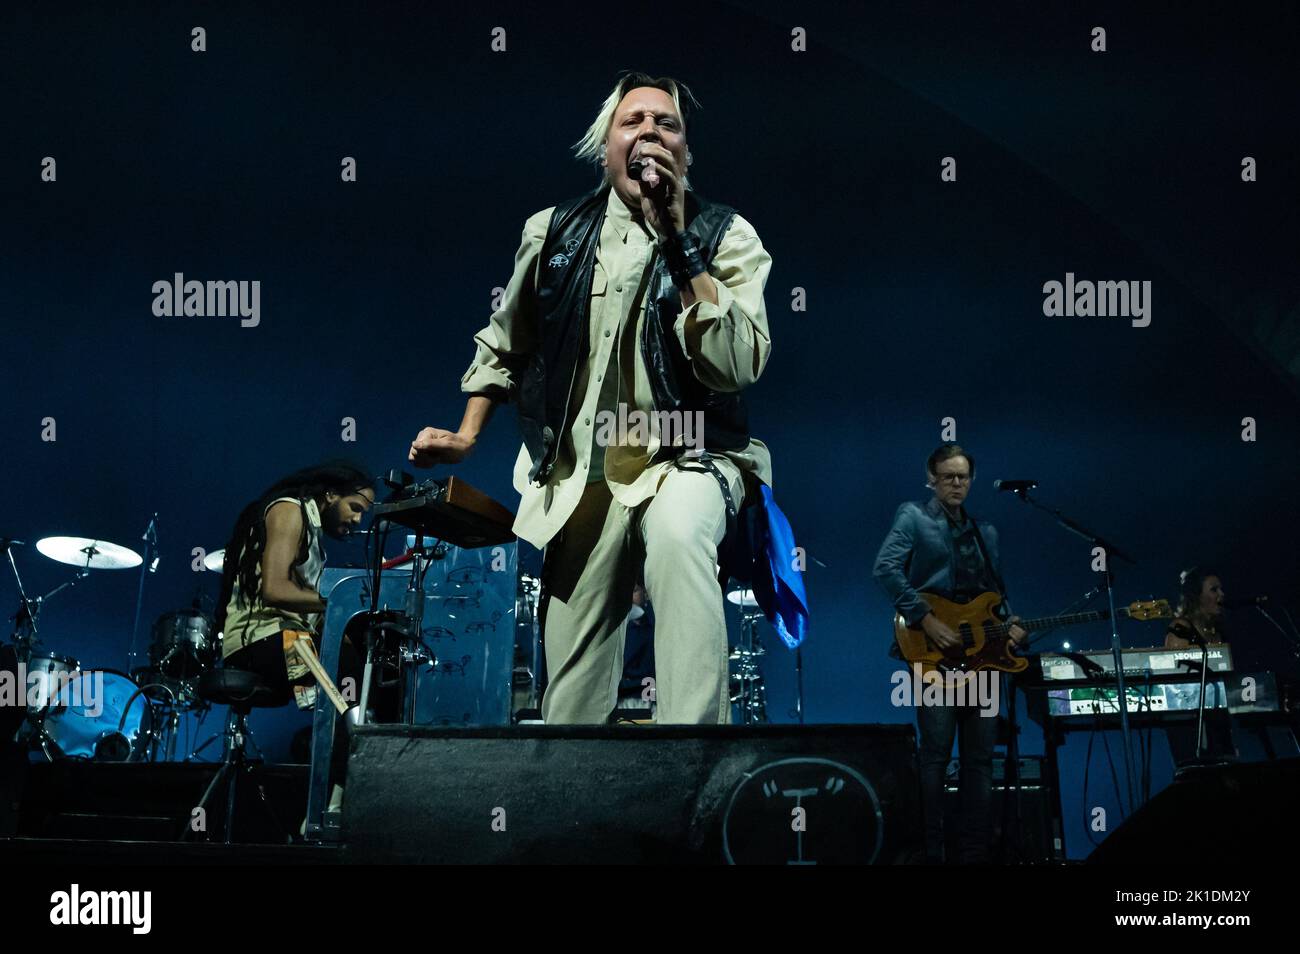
<point x="228" y="828"/>
<point x="366" y="677"/>
<point x="206" y="743"/>
<point x="222" y="773"/>
<point x="173" y="731"/>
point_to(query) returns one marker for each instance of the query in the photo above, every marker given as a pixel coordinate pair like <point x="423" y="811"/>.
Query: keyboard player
<point x="1199" y="621"/>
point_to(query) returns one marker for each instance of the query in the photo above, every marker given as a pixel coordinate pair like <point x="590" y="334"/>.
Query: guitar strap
<point x="988" y="562"/>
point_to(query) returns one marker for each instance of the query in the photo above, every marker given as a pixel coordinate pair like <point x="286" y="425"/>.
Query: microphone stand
<point x="1204" y="664"/>
<point x="1200" y="708"/>
<point x="798" y="676"/>
<point x="1116" y="651"/>
<point x="1292" y="639"/>
<point x="798" y="712"/>
<point x="150" y="539"/>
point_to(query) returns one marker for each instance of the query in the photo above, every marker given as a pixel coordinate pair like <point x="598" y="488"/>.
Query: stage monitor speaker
<point x="846" y="794"/>
<point x="1242" y="813"/>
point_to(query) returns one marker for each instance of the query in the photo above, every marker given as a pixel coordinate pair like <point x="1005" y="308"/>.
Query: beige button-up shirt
<point x="727" y="343"/>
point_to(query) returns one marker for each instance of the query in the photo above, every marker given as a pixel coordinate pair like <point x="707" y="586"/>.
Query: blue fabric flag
<point x="778" y="586"/>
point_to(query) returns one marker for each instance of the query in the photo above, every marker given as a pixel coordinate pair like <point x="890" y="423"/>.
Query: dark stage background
<point x="924" y="298"/>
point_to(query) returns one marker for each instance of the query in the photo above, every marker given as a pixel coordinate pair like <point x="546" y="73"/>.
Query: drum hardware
<point x="165" y="739"/>
<point x="170" y="699"/>
<point x="163" y="691"/>
<point x="48" y="675"/>
<point x="24" y="632"/>
<point x="411" y="650"/>
<point x="747" y="691"/>
<point x="26" y="635"/>
<point x="85" y="554"/>
<point x="392" y="643"/>
<point x="215" y="737"/>
<point x="526" y="676"/>
<point x="147" y="565"/>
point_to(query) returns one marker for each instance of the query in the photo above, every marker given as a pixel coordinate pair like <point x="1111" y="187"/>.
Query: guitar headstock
<point x="1150" y="609"/>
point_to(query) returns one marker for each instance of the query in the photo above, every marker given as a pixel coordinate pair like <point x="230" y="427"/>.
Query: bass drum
<point x="98" y="715"/>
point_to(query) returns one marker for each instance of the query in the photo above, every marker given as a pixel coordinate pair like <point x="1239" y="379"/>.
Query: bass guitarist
<point x="937" y="547"/>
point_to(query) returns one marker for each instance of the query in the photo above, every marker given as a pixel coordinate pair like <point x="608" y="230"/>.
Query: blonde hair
<point x="587" y="148"/>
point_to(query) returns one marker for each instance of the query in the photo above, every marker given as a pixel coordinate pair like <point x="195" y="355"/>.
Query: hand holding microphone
<point x="663" y="202"/>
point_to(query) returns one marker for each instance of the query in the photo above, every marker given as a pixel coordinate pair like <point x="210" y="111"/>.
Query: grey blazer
<point x="917" y="555"/>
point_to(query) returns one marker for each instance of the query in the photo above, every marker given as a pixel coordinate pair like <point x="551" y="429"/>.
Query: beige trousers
<point x="590" y="570"/>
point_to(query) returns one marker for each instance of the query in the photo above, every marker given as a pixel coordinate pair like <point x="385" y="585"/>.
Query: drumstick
<point x="307" y="653"/>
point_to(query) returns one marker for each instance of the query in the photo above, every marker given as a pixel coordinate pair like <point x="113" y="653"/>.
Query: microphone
<point x="1015" y="486"/>
<point x="636" y="169"/>
<point x="643" y="171"/>
<point x="1242" y="601"/>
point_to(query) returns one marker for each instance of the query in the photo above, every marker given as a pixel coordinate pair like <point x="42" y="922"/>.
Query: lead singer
<point x="640" y="294"/>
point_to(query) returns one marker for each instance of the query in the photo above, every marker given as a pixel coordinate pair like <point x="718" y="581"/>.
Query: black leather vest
<point x="568" y="261"/>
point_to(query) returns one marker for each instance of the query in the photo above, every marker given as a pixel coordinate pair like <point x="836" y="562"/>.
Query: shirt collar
<point x="621" y="219"/>
<point x="937" y="510"/>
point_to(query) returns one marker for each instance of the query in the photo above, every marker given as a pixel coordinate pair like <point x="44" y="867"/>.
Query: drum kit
<point x="106" y="714"/>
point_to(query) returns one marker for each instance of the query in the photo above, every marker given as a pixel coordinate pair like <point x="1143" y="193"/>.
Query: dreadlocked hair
<point x="248" y="539"/>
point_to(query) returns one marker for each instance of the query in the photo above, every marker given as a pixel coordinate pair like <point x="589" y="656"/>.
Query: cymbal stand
<point x="24" y="632"/>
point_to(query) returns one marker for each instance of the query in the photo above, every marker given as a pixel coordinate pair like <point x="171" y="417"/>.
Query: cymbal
<point x="86" y="553"/>
<point x="215" y="561"/>
<point x="742" y="598"/>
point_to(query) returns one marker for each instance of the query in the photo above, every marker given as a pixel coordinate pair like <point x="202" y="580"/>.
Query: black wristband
<point x="682" y="256"/>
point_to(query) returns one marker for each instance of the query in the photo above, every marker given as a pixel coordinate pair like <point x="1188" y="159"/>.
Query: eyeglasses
<point x="954" y="478"/>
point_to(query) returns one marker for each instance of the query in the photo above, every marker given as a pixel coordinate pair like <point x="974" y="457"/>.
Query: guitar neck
<point x="1070" y="619"/>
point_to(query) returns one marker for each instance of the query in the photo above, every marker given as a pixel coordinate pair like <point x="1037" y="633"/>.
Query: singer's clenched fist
<point x="433" y="445"/>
